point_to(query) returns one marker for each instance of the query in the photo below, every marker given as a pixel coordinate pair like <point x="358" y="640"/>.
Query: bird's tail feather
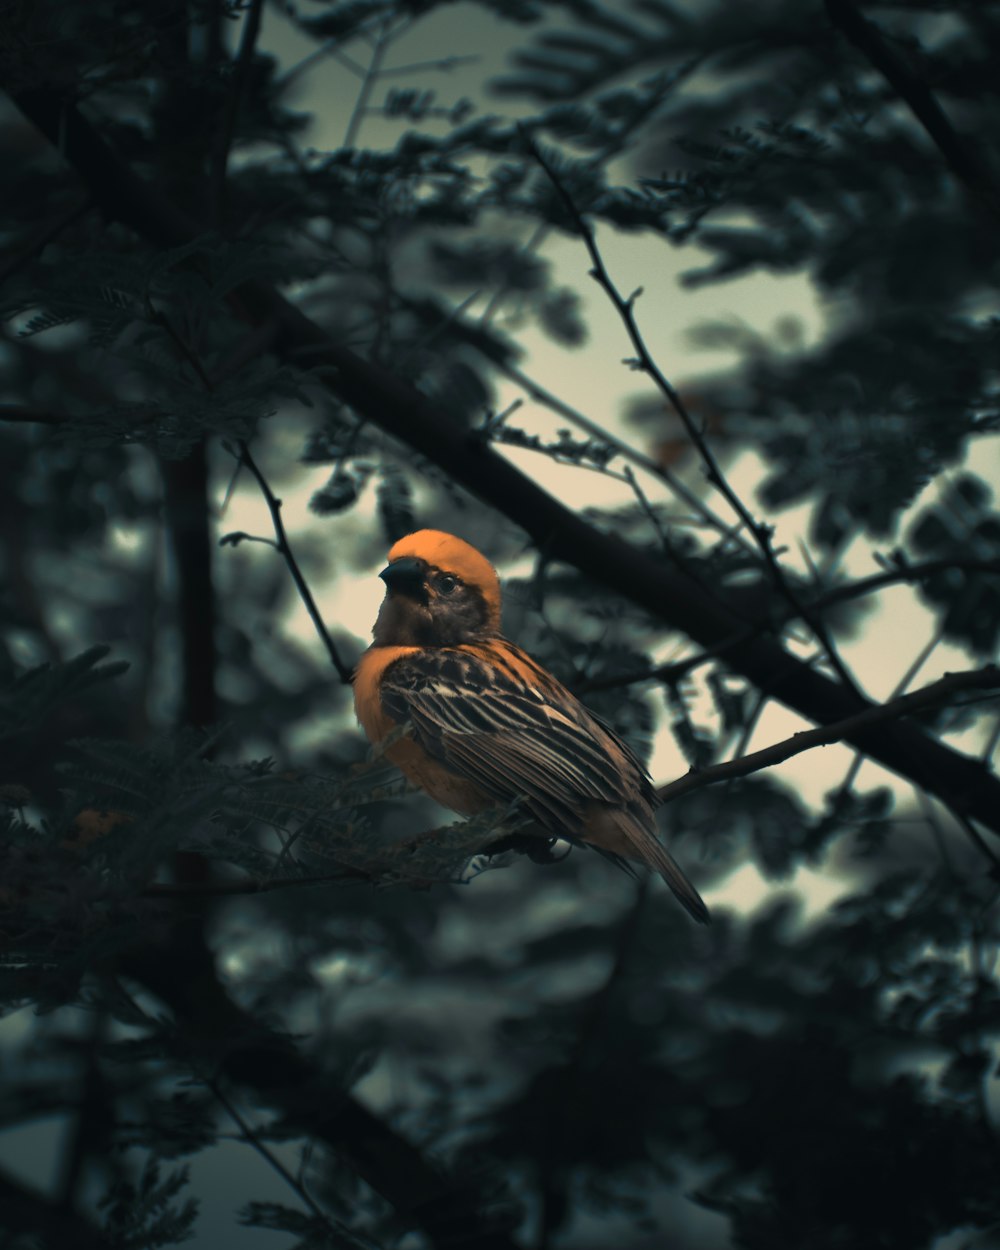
<point x="643" y="845"/>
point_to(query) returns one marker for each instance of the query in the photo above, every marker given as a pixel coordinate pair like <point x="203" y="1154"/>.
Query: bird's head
<point x="439" y="592"/>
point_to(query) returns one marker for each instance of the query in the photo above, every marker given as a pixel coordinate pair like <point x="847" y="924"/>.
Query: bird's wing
<point x="492" y="715"/>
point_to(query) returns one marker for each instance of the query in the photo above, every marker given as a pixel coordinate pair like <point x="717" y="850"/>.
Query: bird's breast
<point x="423" y="770"/>
<point x="367" y="690"/>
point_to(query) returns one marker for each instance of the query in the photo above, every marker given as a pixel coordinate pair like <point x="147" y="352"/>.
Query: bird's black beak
<point x="406" y="576"/>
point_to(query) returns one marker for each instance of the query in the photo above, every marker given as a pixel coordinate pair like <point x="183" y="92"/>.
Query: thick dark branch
<point x="186" y="491"/>
<point x="402" y="411"/>
<point x="960" y="157"/>
<point x="230" y="112"/>
<point x="214" y="1032"/>
<point x="284" y="548"/>
<point x="675" y="670"/>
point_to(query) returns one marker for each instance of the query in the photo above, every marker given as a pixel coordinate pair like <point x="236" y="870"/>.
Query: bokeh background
<point x="428" y="1046"/>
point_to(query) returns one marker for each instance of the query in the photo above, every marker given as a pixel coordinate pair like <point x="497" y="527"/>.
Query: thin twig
<point x="904" y="573"/>
<point x="991" y="742"/>
<point x="752" y="720"/>
<point x="227" y="498"/>
<point x="923" y="655"/>
<point x="445" y="65"/>
<point x="936" y="693"/>
<point x="329" y="49"/>
<point x="977" y="839"/>
<point x="673" y="670"/>
<point x="538" y="236"/>
<point x="367" y="85"/>
<point x="649" y="512"/>
<point x="339" y="1233"/>
<point x="713" y="471"/>
<point x="938" y="834"/>
<point x="545" y="397"/>
<point x="284" y="548"/>
<point x="669" y="548"/>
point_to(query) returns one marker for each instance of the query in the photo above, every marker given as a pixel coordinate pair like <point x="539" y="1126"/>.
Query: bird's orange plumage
<point x="487" y="724"/>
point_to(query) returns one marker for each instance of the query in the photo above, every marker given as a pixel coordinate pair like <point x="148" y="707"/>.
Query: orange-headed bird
<point x="488" y="724"/>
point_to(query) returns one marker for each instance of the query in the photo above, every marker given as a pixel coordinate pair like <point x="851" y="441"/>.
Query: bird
<point x="485" y="724"/>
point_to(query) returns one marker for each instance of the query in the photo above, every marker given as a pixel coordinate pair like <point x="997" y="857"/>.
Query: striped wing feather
<point x="513" y="736"/>
<point x="489" y="713"/>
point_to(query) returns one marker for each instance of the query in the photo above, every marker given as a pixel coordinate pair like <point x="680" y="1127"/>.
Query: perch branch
<point x="935" y="695"/>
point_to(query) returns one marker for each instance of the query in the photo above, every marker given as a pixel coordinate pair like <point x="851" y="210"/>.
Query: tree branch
<point x="284" y="548"/>
<point x="902" y="573"/>
<point x="371" y="75"/>
<point x="934" y="695"/>
<point x="960" y="158"/>
<point x="227" y="125"/>
<point x="624" y="449"/>
<point x="403" y="412"/>
<point x="214" y="1031"/>
<point x="625" y="308"/>
<point x="674" y="670"/>
<point x="186" y="505"/>
<point x="340" y="1234"/>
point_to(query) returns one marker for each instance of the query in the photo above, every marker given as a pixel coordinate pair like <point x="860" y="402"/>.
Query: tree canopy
<point x="247" y="247"/>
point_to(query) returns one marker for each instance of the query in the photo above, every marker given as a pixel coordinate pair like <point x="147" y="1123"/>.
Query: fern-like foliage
<point x="33" y="695"/>
<point x="145" y="1214"/>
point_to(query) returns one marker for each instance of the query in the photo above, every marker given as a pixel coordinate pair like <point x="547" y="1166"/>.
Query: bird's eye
<point x="446" y="583"/>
